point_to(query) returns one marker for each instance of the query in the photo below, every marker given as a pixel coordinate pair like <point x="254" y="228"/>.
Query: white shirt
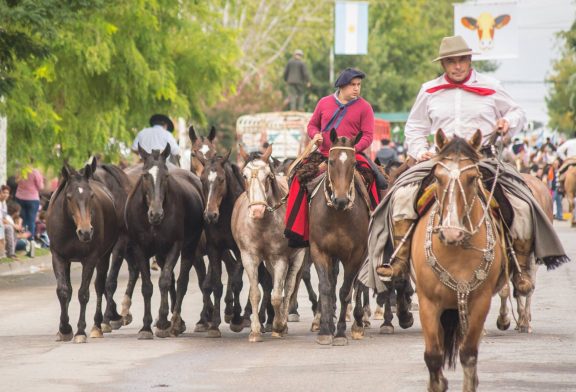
<point x="567" y="149"/>
<point x="155" y="138"/>
<point x="459" y="112"/>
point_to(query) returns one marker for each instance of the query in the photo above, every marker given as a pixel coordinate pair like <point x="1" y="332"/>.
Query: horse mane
<point x="459" y="146"/>
<point x="116" y="173"/>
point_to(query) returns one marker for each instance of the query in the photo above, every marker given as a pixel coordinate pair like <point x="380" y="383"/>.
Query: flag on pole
<point x="351" y="27"/>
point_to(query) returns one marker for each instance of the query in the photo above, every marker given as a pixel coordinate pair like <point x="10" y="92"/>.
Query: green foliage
<point x="562" y="99"/>
<point x="110" y="65"/>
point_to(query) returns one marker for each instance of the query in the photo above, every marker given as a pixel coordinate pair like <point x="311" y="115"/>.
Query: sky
<point x="524" y="77"/>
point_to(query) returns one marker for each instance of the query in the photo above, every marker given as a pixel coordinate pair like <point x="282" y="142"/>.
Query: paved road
<point x="30" y="359"/>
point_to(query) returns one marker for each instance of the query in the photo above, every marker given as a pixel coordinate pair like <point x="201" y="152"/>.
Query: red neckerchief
<point x="461" y="85"/>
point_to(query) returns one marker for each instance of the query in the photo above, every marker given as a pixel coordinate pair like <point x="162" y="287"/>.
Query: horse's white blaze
<point x="343" y="157"/>
<point x="80" y="190"/>
<point x="212" y="176"/>
<point x="154" y="173"/>
<point x="204" y="149"/>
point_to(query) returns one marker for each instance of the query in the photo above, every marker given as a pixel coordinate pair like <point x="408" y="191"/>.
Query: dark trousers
<point x="28" y="213"/>
<point x="296" y="93"/>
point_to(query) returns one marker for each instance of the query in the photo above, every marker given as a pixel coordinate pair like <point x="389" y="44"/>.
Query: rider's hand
<point x="318" y="139"/>
<point x="502" y="125"/>
<point x="427" y="155"/>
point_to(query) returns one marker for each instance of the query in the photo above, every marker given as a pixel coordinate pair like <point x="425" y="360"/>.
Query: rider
<point x="349" y="114"/>
<point x="157" y="136"/>
<point x="459" y="102"/>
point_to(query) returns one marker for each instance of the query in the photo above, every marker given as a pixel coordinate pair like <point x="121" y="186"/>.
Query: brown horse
<point x="82" y="226"/>
<point x="457" y="262"/>
<point x="202" y="149"/>
<point x="339" y="218"/>
<point x="570" y="191"/>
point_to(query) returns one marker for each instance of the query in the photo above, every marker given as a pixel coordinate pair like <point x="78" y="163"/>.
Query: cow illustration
<point x="485" y="26"/>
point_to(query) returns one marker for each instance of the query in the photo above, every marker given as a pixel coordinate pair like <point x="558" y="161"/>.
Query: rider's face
<point x="457" y="68"/>
<point x="351" y="90"/>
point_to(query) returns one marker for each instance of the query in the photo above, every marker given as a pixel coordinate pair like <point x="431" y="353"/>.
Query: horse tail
<point x="452" y="337"/>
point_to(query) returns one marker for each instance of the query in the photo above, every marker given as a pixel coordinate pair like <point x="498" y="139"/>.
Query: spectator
<point x="28" y="196"/>
<point x="386" y="154"/>
<point x="23" y="238"/>
<point x="297" y="78"/>
<point x="553" y="186"/>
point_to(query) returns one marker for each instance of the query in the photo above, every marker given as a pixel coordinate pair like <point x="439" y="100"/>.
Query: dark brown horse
<point x="457" y="261"/>
<point x="82" y="225"/>
<point x="339" y="217"/>
<point x="164" y="219"/>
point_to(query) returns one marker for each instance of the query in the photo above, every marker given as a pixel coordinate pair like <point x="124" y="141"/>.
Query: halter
<point x="351" y="193"/>
<point x="254" y="177"/>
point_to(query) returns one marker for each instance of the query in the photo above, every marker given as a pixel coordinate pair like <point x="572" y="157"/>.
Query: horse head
<point x="458" y="182"/>
<point x="214" y="185"/>
<point x="202" y="149"/>
<point x="341" y="166"/>
<point x="79" y="197"/>
<point x="259" y="176"/>
<point x="154" y="182"/>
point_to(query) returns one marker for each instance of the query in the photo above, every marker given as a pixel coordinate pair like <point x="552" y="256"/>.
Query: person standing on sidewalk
<point x="28" y="196"/>
<point x="297" y="78"/>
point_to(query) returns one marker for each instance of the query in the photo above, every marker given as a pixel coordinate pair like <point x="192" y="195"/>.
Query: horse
<point x="570" y="191"/>
<point x="542" y="196"/>
<point x="82" y="226"/>
<point x="339" y="217"/>
<point x="457" y="261"/>
<point x="202" y="149"/>
<point x="258" y="228"/>
<point x="164" y="216"/>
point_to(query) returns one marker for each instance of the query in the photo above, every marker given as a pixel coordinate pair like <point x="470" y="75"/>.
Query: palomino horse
<point x="258" y="227"/>
<point x="542" y="196"/>
<point x="339" y="218"/>
<point x="457" y="262"/>
<point x="82" y="226"/>
<point x="570" y="191"/>
<point x="164" y="219"/>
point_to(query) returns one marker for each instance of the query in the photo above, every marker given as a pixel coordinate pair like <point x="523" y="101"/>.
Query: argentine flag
<point x="351" y="30"/>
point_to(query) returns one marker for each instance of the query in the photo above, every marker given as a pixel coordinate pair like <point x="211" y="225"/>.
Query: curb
<point x="26" y="265"/>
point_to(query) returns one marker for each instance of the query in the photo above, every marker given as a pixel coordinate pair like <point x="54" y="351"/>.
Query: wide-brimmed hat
<point x="453" y="47"/>
<point x="347" y="75"/>
<point x="298" y="52"/>
<point x="162" y="119"/>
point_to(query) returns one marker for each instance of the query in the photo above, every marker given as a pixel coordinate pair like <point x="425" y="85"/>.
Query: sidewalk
<point x="26" y="265"/>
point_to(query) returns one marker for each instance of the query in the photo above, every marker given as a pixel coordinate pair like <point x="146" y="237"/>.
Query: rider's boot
<point x="399" y="265"/>
<point x="522" y="280"/>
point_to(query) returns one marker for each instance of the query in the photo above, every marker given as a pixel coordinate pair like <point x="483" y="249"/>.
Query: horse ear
<point x="333" y="135"/>
<point x="88" y="171"/>
<point x="267" y="153"/>
<point x="358" y="137"/>
<point x="242" y="153"/>
<point x="227" y="156"/>
<point x="66" y="171"/>
<point x="166" y="152"/>
<point x="142" y="152"/>
<point x="192" y="135"/>
<point x="440" y="139"/>
<point x="94" y="164"/>
<point x="476" y="140"/>
<point x="212" y="134"/>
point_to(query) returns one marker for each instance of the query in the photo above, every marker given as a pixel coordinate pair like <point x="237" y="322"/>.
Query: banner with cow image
<point x="490" y="29"/>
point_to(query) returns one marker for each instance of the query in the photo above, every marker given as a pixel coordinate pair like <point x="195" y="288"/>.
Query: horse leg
<point x="359" y="312"/>
<point x="112" y="320"/>
<point x="345" y="295"/>
<point x="251" y="267"/>
<point x="64" y="292"/>
<point x="229" y="297"/>
<point x="235" y="271"/>
<point x="133" y="272"/>
<point x="367" y="312"/>
<point x="323" y="264"/>
<point x="292" y="277"/>
<point x="293" y="315"/>
<point x="215" y="268"/>
<point x="503" y="321"/>
<point x="266" y="311"/>
<point x="147" y="289"/>
<point x="99" y="286"/>
<point x="405" y="318"/>
<point x="166" y="285"/>
<point x="433" y="352"/>
<point x="200" y="268"/>
<point x="387" y="327"/>
<point x="83" y="297"/>
<point x="307" y="278"/>
<point x="379" y="311"/>
<point x="178" y="326"/>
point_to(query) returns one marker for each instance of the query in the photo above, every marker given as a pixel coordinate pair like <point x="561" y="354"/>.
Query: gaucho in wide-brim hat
<point x="162" y="119"/>
<point x="454" y="46"/>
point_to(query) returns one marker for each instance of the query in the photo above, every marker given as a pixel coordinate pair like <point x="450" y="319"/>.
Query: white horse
<point x="258" y="229"/>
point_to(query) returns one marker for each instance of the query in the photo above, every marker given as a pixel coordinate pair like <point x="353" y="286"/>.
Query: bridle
<point x="328" y="184"/>
<point x="254" y="170"/>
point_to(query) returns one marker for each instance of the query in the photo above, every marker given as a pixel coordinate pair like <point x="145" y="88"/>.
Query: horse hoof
<point x="214" y="333"/>
<point x="294" y="318"/>
<point x="106" y="328"/>
<point x="255" y="337"/>
<point x="127" y="319"/>
<point x="236" y="327"/>
<point x="315" y="328"/>
<point x="357" y="332"/>
<point x="145" y="335"/>
<point x="64" y="337"/>
<point x="387" y="329"/>
<point x="277" y="334"/>
<point x="524" y="329"/>
<point x="201" y="327"/>
<point x="80" y="339"/>
<point x="405" y="320"/>
<point x="227" y="318"/>
<point x="324" y="340"/>
<point x="162" y="333"/>
<point x="503" y="325"/>
<point x="246" y="322"/>
<point x="378" y="313"/>
<point x="116" y="324"/>
<point x="96" y="332"/>
<point x="340" y="341"/>
<point x="268" y="328"/>
<point x="366" y="324"/>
